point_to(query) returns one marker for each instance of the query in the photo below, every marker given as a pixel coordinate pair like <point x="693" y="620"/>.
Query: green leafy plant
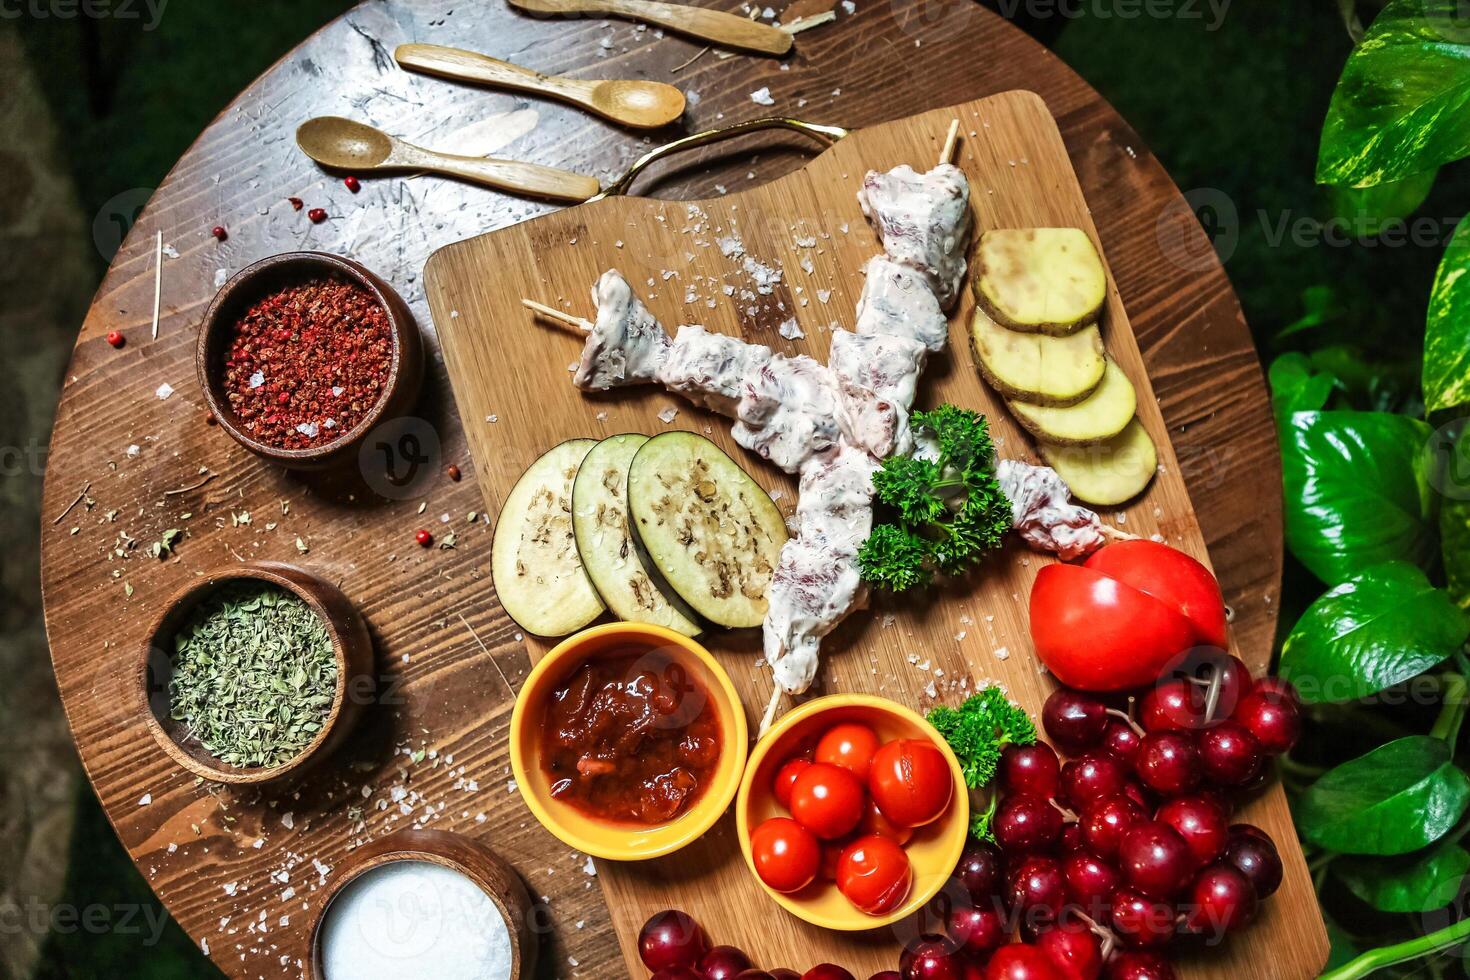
<point x="1377" y="507"/>
<point x="977" y="731"/>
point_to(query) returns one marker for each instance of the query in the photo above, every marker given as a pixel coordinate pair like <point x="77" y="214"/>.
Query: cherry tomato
<point x="1172" y="577"/>
<point x="874" y="874"/>
<point x="849" y="745"/>
<point x="911" y="782"/>
<point x="827" y="800"/>
<point x="874" y="822"/>
<point x="1099" y="634"/>
<point x="785" y="853"/>
<point x="786" y="778"/>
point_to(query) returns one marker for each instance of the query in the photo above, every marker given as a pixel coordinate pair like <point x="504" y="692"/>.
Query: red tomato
<point x="827" y="800"/>
<point x="911" y="782"/>
<point x="786" y="778"/>
<point x="785" y="853"/>
<point x="874" y="822"/>
<point x="874" y="875"/>
<point x="850" y="746"/>
<point x="1172" y="577"/>
<point x="1098" y="634"/>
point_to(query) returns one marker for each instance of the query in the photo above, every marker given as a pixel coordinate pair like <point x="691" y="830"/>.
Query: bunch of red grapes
<point x="1127" y="848"/>
<point x="675" y="947"/>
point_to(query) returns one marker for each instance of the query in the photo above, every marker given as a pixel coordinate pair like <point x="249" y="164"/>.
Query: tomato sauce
<point x="631" y="737"/>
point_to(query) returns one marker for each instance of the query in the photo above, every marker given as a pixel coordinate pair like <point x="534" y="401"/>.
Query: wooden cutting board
<point x="715" y="263"/>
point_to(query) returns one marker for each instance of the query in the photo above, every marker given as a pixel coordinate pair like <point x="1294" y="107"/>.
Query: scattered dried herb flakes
<point x="253" y="674"/>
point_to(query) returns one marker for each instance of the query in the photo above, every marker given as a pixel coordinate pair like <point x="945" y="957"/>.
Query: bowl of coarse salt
<point x="423" y="903"/>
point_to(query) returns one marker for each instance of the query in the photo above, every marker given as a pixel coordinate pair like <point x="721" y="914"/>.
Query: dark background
<point x="1237" y="109"/>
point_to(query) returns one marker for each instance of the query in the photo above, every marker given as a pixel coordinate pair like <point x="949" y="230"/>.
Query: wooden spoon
<point x="717" y="27"/>
<point x="645" y="105"/>
<point x="347" y="145"/>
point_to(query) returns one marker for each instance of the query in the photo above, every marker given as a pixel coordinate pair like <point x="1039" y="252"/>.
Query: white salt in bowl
<point x="423" y="903"/>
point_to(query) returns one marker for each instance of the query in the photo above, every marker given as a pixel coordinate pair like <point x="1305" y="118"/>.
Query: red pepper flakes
<point x="353" y="184"/>
<point x="306" y="363"/>
<point x="423" y="537"/>
<point x="453" y="472"/>
<point x="296" y="203"/>
<point x="218" y="231"/>
<point x="317" y="215"/>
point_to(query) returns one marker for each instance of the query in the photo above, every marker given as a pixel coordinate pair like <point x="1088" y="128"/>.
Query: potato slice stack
<point x="1036" y="341"/>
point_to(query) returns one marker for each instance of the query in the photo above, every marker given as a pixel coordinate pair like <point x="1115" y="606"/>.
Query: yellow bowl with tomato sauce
<point x="934" y="849"/>
<point x="704" y="685"/>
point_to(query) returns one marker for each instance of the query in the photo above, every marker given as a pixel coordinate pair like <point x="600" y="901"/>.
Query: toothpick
<point x="946" y="155"/>
<point x="157" y="280"/>
<point x="552" y="313"/>
<point x="692" y="59"/>
<point x="770" y="715"/>
<point x="483" y="647"/>
<point x="1109" y="531"/>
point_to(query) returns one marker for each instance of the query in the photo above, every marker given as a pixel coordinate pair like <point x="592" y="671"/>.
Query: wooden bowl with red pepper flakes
<point x="302" y="354"/>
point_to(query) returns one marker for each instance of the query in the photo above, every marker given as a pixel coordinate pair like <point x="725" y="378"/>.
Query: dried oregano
<point x="253" y="674"/>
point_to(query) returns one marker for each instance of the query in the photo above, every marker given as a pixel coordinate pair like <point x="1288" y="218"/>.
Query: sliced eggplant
<point x="1097" y="418"/>
<point x="1040" y="280"/>
<point x="533" y="558"/>
<point x="618" y="568"/>
<point x="711" y="531"/>
<point x="1033" y="367"/>
<point x="1108" y="473"/>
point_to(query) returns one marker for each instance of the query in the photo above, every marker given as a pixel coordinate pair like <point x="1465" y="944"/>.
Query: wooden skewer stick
<point x="1108" y="531"/>
<point x="552" y="313"/>
<point x="946" y="155"/>
<point x="770" y="715"/>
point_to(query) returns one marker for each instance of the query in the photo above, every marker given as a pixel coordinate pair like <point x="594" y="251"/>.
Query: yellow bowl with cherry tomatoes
<point x="934" y="848"/>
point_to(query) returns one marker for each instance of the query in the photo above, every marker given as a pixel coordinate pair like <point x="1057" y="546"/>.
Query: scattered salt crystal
<point x="789" y="329"/>
<point x="824" y="294"/>
<point x="1003" y="653"/>
<point x="588" y="868"/>
<point x="288" y="821"/>
<point x="668" y="415"/>
<point x="961" y="635"/>
<point x="336" y="390"/>
<point x="146" y="799"/>
<point x="170" y="251"/>
<point x="220" y="276"/>
<point x="308" y="429"/>
<point x="762" y="96"/>
<point x="258" y="378"/>
<point x="231" y="887"/>
<point x="164" y="390"/>
<point x="849" y="7"/>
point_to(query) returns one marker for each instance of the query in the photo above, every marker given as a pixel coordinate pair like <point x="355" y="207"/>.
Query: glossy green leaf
<point x="1357" y="493"/>
<point x="1400" y="797"/>
<point x="1446" y="376"/>
<point x="1320" y="308"/>
<point x="1454" y="520"/>
<point x="1366" y="212"/>
<point x="1402" y="105"/>
<point x="1382" y="626"/>
<point x="1296" y="386"/>
<point x="1396" y="885"/>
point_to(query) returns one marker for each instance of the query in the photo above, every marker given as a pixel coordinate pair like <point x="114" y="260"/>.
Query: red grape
<point x="1030" y="769"/>
<point x="1141" y="922"/>
<point x="1091" y="777"/>
<point x="1202" y="824"/>
<point x="1168" y="763"/>
<point x="978" y="930"/>
<point x="930" y="958"/>
<point x="1037" y="888"/>
<point x="979" y="871"/>
<point x="1154" y="859"/>
<point x="1073" y="720"/>
<point x="827" y="971"/>
<point x="723" y="963"/>
<point x="1140" y="966"/>
<point x="1229" y="754"/>
<point x="1105" y="821"/>
<point x="671" y="938"/>
<point x="886" y="975"/>
<point x="1279" y="689"/>
<point x="1205" y="665"/>
<point x="1071" y="839"/>
<point x="1122" y="740"/>
<point x="1172" y="706"/>
<point x="1252" y="853"/>
<point x="1074" y="952"/>
<point x="1221" y="901"/>
<point x="779" y="973"/>
<point x="1018" y="961"/>
<point x="676" y="973"/>
<point x="1090" y="881"/>
<point x="1275" y="722"/>
<point x="1026" y="823"/>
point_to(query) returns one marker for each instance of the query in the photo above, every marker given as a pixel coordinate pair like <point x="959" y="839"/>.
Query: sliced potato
<point x="1040" y="280"/>
<point x="1033" y="367"/>
<point x="1108" y="473"/>
<point x="1097" y="418"/>
<point x="533" y="557"/>
<point x="712" y="532"/>
<point x="618" y="568"/>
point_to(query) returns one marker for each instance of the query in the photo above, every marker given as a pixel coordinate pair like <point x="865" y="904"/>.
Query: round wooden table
<point x="131" y="460"/>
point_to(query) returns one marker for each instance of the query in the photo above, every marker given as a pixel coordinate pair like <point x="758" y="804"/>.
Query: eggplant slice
<point x="1109" y="473"/>
<point x="1040" y="280"/>
<point x="712" y="532"/>
<point x="538" y="574"/>
<point x="1097" y="418"/>
<point x="1035" y="367"/>
<point x="619" y="569"/>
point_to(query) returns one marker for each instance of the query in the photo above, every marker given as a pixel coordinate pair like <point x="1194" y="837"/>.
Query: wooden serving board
<point x="511" y="379"/>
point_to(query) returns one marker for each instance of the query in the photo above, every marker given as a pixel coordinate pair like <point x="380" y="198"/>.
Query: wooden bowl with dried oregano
<point x="255" y="671"/>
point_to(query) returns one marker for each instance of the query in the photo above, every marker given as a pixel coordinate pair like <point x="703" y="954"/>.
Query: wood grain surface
<point x="442" y="692"/>
<point x="683" y="259"/>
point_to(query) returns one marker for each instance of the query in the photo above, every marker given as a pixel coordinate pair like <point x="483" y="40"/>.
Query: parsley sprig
<point x="947" y="506"/>
<point x="978" y="731"/>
